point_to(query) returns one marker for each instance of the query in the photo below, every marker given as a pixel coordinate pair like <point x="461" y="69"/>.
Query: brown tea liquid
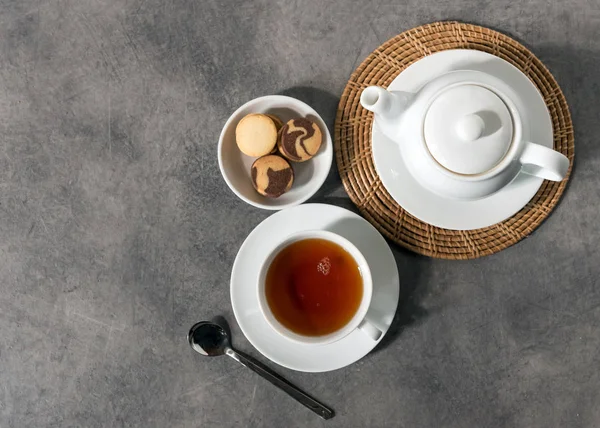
<point x="314" y="287"/>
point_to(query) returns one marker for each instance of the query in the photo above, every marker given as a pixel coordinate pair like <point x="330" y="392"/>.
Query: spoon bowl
<point x="208" y="339"/>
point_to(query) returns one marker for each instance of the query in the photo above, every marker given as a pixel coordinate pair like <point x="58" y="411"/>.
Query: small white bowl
<point x="235" y="166"/>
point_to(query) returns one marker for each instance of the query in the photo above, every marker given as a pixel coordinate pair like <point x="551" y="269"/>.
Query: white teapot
<point x="461" y="135"/>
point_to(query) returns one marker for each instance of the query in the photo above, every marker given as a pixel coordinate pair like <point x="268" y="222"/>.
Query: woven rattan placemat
<point x="353" y="142"/>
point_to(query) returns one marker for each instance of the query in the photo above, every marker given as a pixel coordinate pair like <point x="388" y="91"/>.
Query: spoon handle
<point x="280" y="382"/>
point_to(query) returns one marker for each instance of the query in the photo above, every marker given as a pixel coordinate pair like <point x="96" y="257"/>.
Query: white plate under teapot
<point x="463" y="140"/>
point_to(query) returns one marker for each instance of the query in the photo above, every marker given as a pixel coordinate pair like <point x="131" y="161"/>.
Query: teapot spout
<point x="388" y="105"/>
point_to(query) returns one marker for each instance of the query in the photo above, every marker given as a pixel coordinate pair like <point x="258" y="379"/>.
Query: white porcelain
<point x="235" y="166"/>
<point x="428" y="205"/>
<point x="456" y="136"/>
<point x="464" y="134"/>
<point x="265" y="238"/>
<point x="359" y="321"/>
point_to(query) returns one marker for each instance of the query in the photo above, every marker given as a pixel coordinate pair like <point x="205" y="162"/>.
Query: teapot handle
<point x="544" y="162"/>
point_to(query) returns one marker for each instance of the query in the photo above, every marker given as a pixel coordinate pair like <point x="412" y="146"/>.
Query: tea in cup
<point x="315" y="288"/>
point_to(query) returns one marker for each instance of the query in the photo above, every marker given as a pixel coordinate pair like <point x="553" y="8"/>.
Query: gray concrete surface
<point x="118" y="232"/>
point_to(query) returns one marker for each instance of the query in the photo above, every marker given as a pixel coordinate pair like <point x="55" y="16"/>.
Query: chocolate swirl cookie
<point x="299" y="140"/>
<point x="272" y="176"/>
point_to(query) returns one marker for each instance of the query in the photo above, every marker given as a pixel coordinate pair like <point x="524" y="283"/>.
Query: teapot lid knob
<point x="470" y="127"/>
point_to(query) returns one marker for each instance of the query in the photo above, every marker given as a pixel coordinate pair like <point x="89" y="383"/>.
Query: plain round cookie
<point x="299" y="139"/>
<point x="272" y="176"/>
<point x="256" y="135"/>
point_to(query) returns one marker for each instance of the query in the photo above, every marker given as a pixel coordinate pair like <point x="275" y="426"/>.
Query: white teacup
<point x="358" y="321"/>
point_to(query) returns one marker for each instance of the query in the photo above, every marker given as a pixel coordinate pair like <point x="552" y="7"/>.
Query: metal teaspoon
<point x="211" y="340"/>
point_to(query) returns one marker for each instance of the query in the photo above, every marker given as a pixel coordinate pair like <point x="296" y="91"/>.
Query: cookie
<point x="276" y="120"/>
<point x="275" y="150"/>
<point x="272" y="176"/>
<point x="278" y="125"/>
<point x="256" y="135"/>
<point x="300" y="140"/>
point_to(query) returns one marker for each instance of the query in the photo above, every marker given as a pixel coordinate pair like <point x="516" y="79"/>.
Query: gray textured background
<point x="118" y="232"/>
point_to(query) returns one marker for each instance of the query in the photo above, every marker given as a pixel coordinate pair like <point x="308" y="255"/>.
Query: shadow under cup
<point x="357" y="321"/>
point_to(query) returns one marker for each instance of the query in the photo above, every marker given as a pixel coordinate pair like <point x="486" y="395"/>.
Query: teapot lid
<point x="468" y="129"/>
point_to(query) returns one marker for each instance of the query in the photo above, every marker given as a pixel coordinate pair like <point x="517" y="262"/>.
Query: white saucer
<point x="386" y="286"/>
<point x="452" y="213"/>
